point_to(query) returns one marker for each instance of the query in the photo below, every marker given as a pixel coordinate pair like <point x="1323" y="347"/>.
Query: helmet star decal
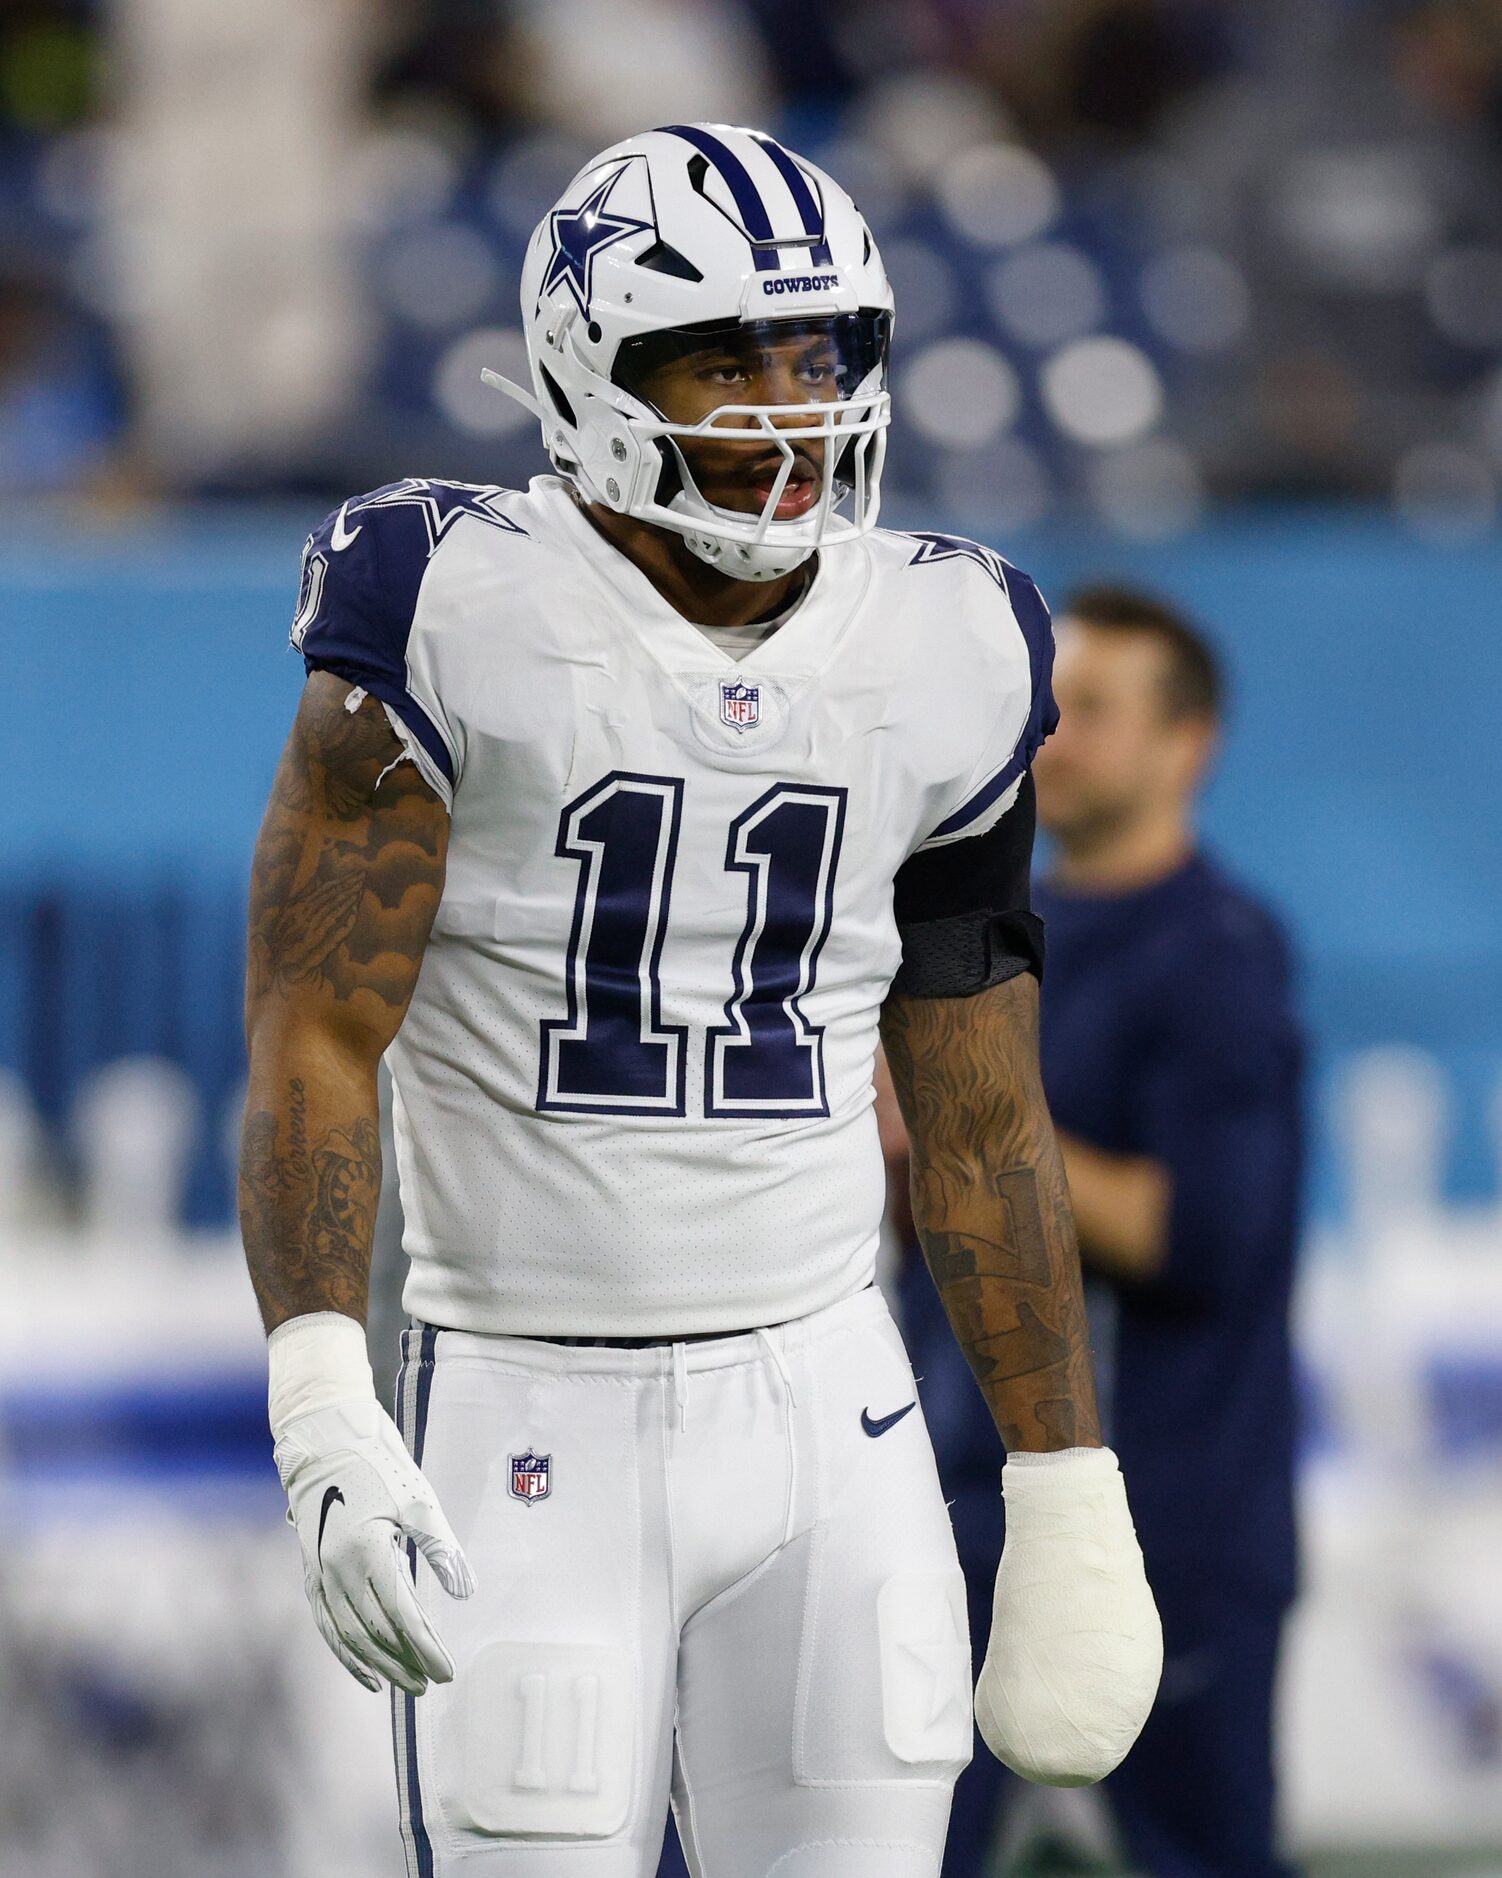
<point x="579" y="234"/>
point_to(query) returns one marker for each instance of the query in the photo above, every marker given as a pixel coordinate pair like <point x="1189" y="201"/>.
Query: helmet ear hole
<point x="670" y="482"/>
<point x="560" y="402"/>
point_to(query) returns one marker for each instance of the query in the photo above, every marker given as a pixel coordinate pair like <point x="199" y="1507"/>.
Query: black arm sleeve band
<point x="963" y="910"/>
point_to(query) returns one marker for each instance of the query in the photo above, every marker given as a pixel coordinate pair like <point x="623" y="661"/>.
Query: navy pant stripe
<point x="803" y="196"/>
<point x="753" y="210"/>
<point x="422" y="1845"/>
<point x="398" y="1717"/>
<point x="424" y="1390"/>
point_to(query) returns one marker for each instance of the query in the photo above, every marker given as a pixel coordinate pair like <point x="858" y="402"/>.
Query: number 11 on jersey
<point x="613" y="1054"/>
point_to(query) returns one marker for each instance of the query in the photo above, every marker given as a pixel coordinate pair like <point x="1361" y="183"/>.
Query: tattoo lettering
<point x="992" y="1208"/>
<point x="1021" y="1251"/>
<point x="307" y="1219"/>
<point x="297" y="1112"/>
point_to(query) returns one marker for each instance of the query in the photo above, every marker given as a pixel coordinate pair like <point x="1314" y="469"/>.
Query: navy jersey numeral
<point x="613" y="1054"/>
<point x="767" y="1059"/>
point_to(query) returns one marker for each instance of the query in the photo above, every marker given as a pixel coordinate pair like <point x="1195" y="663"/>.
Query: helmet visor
<point x="686" y="374"/>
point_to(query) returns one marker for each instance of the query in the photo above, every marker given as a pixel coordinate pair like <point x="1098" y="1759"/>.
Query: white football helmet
<point x="659" y="244"/>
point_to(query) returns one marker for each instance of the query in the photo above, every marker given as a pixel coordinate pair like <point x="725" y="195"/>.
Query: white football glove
<point x="357" y="1497"/>
<point x="1076" y="1646"/>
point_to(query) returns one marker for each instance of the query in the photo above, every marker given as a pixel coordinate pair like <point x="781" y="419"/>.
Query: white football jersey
<point x="633" y="1089"/>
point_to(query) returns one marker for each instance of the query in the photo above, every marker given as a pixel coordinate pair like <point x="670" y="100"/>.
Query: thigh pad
<point x="543" y="1741"/>
<point x="924" y="1627"/>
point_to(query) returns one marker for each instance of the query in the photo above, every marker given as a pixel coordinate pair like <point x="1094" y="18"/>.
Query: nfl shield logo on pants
<point x="740" y="705"/>
<point x="530" y="1476"/>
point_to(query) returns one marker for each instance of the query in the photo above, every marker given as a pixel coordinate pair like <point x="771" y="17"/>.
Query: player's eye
<point x="818" y="366"/>
<point x="723" y="372"/>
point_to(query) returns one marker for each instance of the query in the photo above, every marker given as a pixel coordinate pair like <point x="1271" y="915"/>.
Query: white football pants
<point x="721" y="1571"/>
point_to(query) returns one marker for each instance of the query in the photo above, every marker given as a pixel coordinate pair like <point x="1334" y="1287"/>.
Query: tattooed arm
<point x="991" y="1206"/>
<point x="346" y="880"/>
<point x="347" y="877"/>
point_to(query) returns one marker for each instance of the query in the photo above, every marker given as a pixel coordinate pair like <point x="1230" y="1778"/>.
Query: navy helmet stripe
<point x="803" y="196"/>
<point x="753" y="210"/>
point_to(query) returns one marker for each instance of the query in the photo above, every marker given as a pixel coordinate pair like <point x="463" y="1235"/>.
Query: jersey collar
<point x="800" y="648"/>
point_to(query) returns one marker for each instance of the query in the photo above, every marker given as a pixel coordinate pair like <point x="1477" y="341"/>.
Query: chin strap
<point x="741" y="560"/>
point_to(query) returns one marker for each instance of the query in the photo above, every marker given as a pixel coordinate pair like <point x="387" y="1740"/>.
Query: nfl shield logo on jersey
<point x="740" y="705"/>
<point x="531" y="1477"/>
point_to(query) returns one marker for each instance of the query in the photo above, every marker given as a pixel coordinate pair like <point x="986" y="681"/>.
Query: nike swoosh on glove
<point x="357" y="1498"/>
<point x="1076" y="1646"/>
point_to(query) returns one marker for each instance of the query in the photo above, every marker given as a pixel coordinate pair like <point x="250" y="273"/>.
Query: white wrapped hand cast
<point x="1076" y="1646"/>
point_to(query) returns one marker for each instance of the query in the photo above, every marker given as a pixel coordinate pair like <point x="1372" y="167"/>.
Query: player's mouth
<point x="799" y="494"/>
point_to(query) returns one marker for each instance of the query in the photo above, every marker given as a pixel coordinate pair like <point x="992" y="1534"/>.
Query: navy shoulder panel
<point x="363" y="567"/>
<point x="1031" y="613"/>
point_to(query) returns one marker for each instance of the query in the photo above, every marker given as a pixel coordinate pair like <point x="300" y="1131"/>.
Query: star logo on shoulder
<point x="956" y="547"/>
<point x="440" y="504"/>
<point x="579" y="235"/>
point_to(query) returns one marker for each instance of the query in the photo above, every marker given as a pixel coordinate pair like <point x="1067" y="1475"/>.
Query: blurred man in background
<point x="1171" y="1059"/>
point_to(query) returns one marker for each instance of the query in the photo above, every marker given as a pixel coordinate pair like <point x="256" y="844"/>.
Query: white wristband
<point x="1082" y="1461"/>
<point x="315" y="1360"/>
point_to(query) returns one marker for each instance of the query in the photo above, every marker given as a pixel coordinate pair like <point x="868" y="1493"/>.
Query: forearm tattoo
<point x="307" y="1222"/>
<point x="991" y="1206"/>
<point x="346" y="880"/>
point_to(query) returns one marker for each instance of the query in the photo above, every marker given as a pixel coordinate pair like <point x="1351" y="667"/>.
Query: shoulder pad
<point x="1029" y="610"/>
<point x="362" y="570"/>
<point x="374" y="549"/>
<point x="932" y="547"/>
<point x="364" y="563"/>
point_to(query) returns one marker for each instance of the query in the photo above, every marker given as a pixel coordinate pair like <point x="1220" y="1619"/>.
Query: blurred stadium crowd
<point x="1147" y="253"/>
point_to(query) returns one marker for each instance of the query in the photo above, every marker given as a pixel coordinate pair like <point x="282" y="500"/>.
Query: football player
<point x="619" y="813"/>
